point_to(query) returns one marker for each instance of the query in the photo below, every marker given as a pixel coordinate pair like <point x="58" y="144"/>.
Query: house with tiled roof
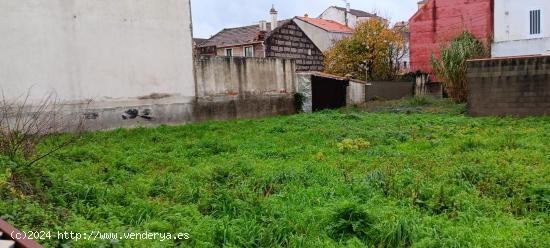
<point x="347" y="16"/>
<point x="280" y="39"/>
<point x="324" y="33"/>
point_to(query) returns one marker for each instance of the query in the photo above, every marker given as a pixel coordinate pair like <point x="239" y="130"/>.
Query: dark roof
<point x="356" y="12"/>
<point x="238" y="35"/>
<point x="199" y="41"/>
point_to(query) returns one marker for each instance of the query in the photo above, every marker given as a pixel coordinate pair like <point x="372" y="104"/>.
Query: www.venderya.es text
<point x="97" y="235"/>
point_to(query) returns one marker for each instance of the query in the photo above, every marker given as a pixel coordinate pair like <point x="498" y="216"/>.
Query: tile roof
<point x="238" y="35"/>
<point x="356" y="12"/>
<point x="328" y="25"/>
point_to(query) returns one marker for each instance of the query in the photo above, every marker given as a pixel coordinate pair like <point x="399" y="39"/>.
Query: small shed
<point x="325" y="91"/>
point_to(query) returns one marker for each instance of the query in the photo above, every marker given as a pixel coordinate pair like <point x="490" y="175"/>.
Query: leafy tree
<point x="374" y="48"/>
<point x="452" y="69"/>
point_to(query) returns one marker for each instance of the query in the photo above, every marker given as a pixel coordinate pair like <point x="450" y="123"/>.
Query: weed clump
<point x="352" y="145"/>
<point x="350" y="220"/>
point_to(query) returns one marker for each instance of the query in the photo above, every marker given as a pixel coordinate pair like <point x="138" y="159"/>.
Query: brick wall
<point x="288" y="41"/>
<point x="509" y="86"/>
<point x="439" y="21"/>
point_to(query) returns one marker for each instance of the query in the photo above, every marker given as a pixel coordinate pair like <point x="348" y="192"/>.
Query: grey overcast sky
<point x="211" y="16"/>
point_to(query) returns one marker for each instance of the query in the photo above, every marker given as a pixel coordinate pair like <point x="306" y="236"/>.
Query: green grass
<point x="412" y="173"/>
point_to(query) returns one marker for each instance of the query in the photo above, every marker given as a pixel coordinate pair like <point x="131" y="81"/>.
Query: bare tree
<point x="23" y="125"/>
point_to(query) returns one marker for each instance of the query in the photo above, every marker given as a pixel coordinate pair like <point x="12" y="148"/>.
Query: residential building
<point x="323" y="33"/>
<point x="196" y="43"/>
<point x="439" y="21"/>
<point x="422" y="3"/>
<point x="280" y="39"/>
<point x="346" y="16"/>
<point x="521" y="28"/>
<point x="404" y="59"/>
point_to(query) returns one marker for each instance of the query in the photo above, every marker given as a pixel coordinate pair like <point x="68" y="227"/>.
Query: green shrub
<point x="451" y="68"/>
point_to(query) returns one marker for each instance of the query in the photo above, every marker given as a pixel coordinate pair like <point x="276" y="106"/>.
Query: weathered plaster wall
<point x="439" y="21"/>
<point x="389" y="90"/>
<point x="112" y="52"/>
<point x="133" y="59"/>
<point x="356" y="92"/>
<point x="509" y="86"/>
<point x="230" y="88"/>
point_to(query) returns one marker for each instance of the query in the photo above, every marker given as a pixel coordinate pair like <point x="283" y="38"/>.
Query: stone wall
<point x="288" y="41"/>
<point x="517" y="86"/>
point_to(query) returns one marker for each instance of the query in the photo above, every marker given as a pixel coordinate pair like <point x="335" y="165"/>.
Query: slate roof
<point x="356" y="12"/>
<point x="327" y="25"/>
<point x="238" y="36"/>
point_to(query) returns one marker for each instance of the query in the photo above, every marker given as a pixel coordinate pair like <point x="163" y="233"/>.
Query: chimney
<point x="274" y="21"/>
<point x="348" y="7"/>
<point x="263" y="25"/>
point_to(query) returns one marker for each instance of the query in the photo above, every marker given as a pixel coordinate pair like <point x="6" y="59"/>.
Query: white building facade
<point x="521" y="28"/>
<point x="117" y="54"/>
<point x="346" y="16"/>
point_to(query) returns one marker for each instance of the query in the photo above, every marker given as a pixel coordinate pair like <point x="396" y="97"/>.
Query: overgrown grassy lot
<point x="405" y="174"/>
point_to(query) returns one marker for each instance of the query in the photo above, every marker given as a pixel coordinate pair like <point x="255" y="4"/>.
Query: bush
<point x="452" y="67"/>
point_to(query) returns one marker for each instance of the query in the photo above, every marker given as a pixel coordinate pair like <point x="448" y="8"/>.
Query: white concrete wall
<point x="334" y="14"/>
<point x="224" y="76"/>
<point x="321" y="38"/>
<point x="104" y="50"/>
<point x="356" y="92"/>
<point x="511" y="24"/>
<point x="339" y="16"/>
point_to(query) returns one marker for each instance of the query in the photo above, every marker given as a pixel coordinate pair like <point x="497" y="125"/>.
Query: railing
<point x="6" y="241"/>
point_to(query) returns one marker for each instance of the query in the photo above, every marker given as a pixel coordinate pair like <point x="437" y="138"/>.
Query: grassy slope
<point x="426" y="180"/>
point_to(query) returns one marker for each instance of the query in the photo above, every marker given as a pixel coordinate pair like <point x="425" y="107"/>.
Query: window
<point x="229" y="52"/>
<point x="249" y="51"/>
<point x="404" y="64"/>
<point x="535" y="27"/>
